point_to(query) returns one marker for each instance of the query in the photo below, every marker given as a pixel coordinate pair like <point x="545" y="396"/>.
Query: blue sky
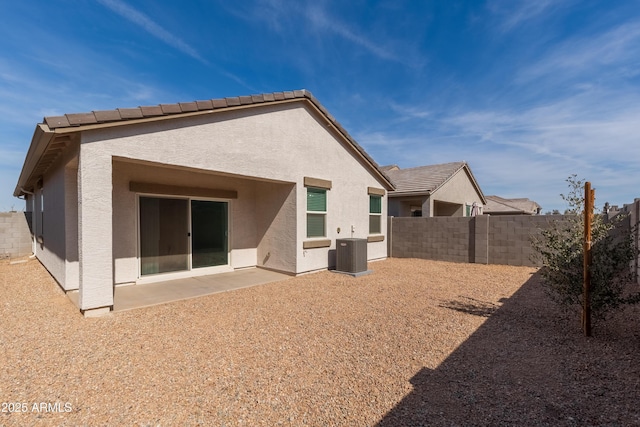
<point x="527" y="92"/>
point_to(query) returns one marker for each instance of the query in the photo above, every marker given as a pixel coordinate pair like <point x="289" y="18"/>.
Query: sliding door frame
<point x="190" y="271"/>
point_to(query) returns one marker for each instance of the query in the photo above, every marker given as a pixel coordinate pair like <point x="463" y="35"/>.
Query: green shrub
<point x="559" y="249"/>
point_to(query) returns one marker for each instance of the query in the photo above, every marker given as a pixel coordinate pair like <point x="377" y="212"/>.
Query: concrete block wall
<point x="437" y="238"/>
<point x="510" y="237"/>
<point x="484" y="239"/>
<point x="15" y="236"/>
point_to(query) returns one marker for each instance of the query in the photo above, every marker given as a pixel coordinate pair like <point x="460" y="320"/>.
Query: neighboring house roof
<point x="389" y="168"/>
<point x="49" y="140"/>
<point x="501" y="205"/>
<point x="425" y="180"/>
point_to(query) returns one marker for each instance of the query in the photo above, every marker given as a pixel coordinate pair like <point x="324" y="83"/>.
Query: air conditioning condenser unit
<point x="351" y="256"/>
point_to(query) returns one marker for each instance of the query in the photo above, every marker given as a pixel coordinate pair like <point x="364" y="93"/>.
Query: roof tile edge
<point x="124" y="114"/>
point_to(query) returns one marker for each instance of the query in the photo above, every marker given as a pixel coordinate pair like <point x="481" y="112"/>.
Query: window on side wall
<point x="316" y="212"/>
<point x="40" y="220"/>
<point x="375" y="214"/>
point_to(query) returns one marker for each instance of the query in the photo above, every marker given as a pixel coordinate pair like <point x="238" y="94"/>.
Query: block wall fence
<point x="482" y="239"/>
<point x="15" y="235"/>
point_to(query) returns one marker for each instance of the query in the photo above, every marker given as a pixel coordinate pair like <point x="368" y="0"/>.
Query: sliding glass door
<point x="163" y="235"/>
<point x="209" y="233"/>
<point x="181" y="234"/>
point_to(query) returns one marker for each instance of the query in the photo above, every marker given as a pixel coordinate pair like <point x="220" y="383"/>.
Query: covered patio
<point x="149" y="294"/>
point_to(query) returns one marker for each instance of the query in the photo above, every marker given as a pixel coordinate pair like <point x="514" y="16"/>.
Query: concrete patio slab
<point x="145" y="295"/>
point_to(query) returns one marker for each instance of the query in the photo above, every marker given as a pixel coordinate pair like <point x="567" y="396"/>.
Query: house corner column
<point x="95" y="249"/>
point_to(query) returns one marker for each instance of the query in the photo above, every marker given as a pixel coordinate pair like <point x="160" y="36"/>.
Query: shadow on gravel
<point x="471" y="306"/>
<point x="530" y="365"/>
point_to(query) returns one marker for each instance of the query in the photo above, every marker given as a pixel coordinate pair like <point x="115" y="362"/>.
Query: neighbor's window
<point x="375" y="214"/>
<point x="316" y="212"/>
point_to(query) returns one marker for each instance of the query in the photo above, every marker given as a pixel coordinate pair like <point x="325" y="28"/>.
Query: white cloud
<point x="617" y="50"/>
<point x="409" y="112"/>
<point x="514" y="13"/>
<point x="284" y="18"/>
<point x="319" y="18"/>
<point x="152" y="27"/>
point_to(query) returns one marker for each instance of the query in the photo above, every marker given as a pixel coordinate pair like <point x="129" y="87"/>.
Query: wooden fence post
<point x="589" y="196"/>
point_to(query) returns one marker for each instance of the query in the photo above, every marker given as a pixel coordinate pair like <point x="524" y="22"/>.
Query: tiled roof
<point x="124" y="114"/>
<point x="497" y="204"/>
<point x="41" y="156"/>
<point x="422" y="179"/>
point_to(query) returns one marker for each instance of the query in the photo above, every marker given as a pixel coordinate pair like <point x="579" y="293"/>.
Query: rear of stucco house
<point x="146" y="194"/>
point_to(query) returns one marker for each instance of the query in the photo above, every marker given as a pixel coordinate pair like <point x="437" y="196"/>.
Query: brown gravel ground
<point x="416" y="343"/>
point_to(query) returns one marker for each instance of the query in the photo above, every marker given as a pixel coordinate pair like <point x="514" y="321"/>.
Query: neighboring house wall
<point x="482" y="239"/>
<point x="15" y="236"/>
<point x="401" y="206"/>
<point x="448" y="199"/>
<point x="456" y="193"/>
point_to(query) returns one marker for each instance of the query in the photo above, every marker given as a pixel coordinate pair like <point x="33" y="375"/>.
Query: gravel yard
<point x="416" y="343"/>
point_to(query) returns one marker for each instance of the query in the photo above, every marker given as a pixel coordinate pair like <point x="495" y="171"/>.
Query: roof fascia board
<point x="42" y="136"/>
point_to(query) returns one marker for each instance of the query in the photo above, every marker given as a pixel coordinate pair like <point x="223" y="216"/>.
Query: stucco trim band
<point x="371" y="239"/>
<point x="176" y="190"/>
<point x="317" y="183"/>
<point x="373" y="191"/>
<point x="311" y="244"/>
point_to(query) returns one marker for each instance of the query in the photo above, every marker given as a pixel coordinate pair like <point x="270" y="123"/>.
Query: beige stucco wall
<point x="72" y="266"/>
<point x="247" y="212"/>
<point x="263" y="153"/>
<point x="284" y="144"/>
<point x="458" y="189"/>
<point x="276" y="226"/>
<point x="95" y="236"/>
<point x="51" y="252"/>
<point x="58" y="251"/>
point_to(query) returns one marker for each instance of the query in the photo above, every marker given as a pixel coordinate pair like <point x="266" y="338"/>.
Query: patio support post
<point x="95" y="250"/>
<point x="426" y="207"/>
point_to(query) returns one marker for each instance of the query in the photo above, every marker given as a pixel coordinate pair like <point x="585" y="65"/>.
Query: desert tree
<point x="559" y="250"/>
